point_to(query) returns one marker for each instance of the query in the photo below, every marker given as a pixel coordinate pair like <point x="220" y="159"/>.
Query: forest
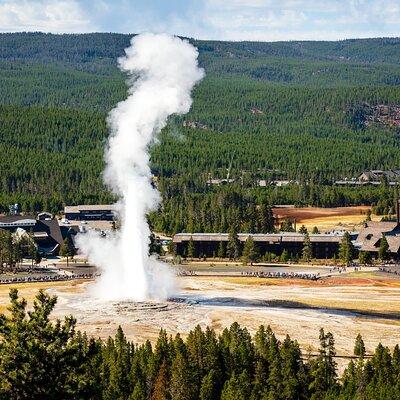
<point x="299" y="111"/>
<point x="55" y="361"/>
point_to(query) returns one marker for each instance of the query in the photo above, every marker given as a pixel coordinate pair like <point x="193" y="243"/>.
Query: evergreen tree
<point x="364" y="257"/>
<point x="383" y="252"/>
<point x="315" y="230"/>
<point x="160" y="389"/>
<point x="250" y="252"/>
<point x="287" y="226"/>
<point x="237" y="388"/>
<point x="181" y="386"/>
<point x="346" y="249"/>
<point x="303" y="230"/>
<point x="39" y="359"/>
<point x="155" y="245"/>
<point x="359" y="347"/>
<point x="275" y="378"/>
<point x="118" y="358"/>
<point x="37" y="257"/>
<point x="284" y="256"/>
<point x="266" y="220"/>
<point x="209" y="387"/>
<point x="307" y="248"/>
<point x="323" y="370"/>
<point x="67" y="249"/>
<point x="221" y="250"/>
<point x="139" y="392"/>
<point x="233" y="249"/>
<point x="191" y="248"/>
<point x="293" y="370"/>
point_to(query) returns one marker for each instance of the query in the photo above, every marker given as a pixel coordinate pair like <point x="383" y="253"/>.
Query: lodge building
<point x="93" y="212"/>
<point x="206" y="244"/>
<point x="45" y="232"/>
<point x="324" y="245"/>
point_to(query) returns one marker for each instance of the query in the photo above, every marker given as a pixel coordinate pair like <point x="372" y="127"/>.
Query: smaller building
<point x="219" y="182"/>
<point x="377" y="175"/>
<point x="45" y="233"/>
<point x="99" y="212"/>
<point x="370" y="236"/>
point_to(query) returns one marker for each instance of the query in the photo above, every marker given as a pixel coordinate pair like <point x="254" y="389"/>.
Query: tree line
<point x="40" y="359"/>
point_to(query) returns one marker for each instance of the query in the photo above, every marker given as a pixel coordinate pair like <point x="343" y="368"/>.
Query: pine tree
<point x="284" y="256"/>
<point x="250" y="252"/>
<point x="237" y="388"/>
<point x="265" y="219"/>
<point x="39" y="359"/>
<point x="139" y="392"/>
<point x="346" y="249"/>
<point x="221" y="250"/>
<point x="258" y="386"/>
<point x="287" y="225"/>
<point x="303" y="230"/>
<point x="293" y="370"/>
<point x="160" y="389"/>
<point x="323" y="370"/>
<point x="181" y="386"/>
<point x="359" y="347"/>
<point x="364" y="257"/>
<point x="315" y="230"/>
<point x="191" y="248"/>
<point x="209" y="386"/>
<point x="275" y="378"/>
<point x="383" y="252"/>
<point x="307" y="248"/>
<point x="233" y="247"/>
<point x="67" y="249"/>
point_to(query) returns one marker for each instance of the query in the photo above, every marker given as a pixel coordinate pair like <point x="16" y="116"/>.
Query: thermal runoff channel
<point x="162" y="71"/>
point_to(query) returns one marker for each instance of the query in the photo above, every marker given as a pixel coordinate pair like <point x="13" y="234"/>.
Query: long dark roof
<point x="258" y="237"/>
<point x="50" y="226"/>
<point x="9" y="219"/>
<point x="371" y="234"/>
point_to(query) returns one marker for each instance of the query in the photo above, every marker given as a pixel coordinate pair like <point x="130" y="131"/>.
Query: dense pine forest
<point x="310" y="112"/>
<point x="54" y="361"/>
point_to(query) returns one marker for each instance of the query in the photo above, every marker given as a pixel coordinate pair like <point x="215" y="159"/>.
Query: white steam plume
<point x="163" y="70"/>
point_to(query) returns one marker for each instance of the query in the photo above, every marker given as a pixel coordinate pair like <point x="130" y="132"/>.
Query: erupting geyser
<point x="162" y="70"/>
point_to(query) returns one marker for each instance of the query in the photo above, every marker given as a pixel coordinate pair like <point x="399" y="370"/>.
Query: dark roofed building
<point x="45" y="233"/>
<point x="369" y="238"/>
<point x="206" y="244"/>
<point x="101" y="212"/>
<point x="376" y="175"/>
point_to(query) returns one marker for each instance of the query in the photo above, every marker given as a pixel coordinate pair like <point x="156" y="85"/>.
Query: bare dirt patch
<point x="325" y="218"/>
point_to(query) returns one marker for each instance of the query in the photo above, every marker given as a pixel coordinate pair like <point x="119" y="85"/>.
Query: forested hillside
<point x="290" y="110"/>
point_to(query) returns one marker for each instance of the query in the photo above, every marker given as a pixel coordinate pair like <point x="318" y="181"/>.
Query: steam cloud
<point x="162" y="70"/>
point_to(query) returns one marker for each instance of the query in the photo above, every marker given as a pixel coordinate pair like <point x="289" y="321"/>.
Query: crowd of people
<point x="186" y="273"/>
<point x="391" y="270"/>
<point x="45" y="278"/>
<point x="289" y="275"/>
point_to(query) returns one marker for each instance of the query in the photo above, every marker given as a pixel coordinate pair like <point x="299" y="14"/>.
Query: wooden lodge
<point x="206" y="244"/>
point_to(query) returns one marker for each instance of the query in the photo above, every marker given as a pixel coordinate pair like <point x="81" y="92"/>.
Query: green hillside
<point x="306" y="111"/>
